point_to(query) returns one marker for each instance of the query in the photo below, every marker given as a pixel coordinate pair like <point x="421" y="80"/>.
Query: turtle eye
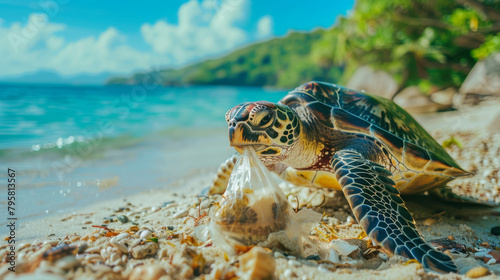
<point x="266" y="120"/>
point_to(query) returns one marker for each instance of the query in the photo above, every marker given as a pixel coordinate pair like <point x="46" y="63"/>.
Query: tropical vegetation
<point x="419" y="42"/>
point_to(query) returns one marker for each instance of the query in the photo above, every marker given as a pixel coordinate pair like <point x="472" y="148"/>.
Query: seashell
<point x="477" y="272"/>
<point x="143" y="250"/>
<point x="121" y="236"/>
<point x="52" y="243"/>
<point x="92" y="250"/>
<point x="119" y="246"/>
<point x="117" y="269"/>
<point x="146" y="234"/>
<point x="257" y="264"/>
<point x="93" y="258"/>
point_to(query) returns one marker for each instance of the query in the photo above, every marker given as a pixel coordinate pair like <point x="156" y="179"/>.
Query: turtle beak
<point x="242" y="135"/>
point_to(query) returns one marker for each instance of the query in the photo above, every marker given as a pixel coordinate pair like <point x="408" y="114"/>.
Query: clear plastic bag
<point x="255" y="211"/>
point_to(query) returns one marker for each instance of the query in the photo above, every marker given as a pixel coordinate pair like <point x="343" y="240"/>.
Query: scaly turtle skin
<point x="329" y="136"/>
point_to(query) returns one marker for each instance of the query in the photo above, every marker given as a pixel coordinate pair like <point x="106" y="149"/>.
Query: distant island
<point x="426" y="44"/>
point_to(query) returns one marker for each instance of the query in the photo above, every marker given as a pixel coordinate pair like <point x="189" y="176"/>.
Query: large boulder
<point x="484" y="78"/>
<point x="414" y="101"/>
<point x="373" y="81"/>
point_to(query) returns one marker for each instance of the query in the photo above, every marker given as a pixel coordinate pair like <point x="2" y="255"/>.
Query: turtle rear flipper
<point x="381" y="212"/>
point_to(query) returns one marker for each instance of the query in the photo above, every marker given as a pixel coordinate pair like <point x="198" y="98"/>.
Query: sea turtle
<point x="367" y="146"/>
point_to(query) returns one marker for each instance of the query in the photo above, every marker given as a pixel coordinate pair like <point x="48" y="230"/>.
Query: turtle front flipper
<point x="381" y="212"/>
<point x="219" y="183"/>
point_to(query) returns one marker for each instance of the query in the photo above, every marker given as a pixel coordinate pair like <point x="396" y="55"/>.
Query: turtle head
<point x="270" y="128"/>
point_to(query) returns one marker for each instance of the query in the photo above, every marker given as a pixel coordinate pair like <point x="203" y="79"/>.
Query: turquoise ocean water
<point x="71" y="146"/>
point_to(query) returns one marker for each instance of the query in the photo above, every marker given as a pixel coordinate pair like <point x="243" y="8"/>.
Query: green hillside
<point x="432" y="44"/>
<point x="280" y="62"/>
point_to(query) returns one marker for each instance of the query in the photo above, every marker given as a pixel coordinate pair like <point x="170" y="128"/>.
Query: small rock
<point x="278" y="255"/>
<point x="313" y="257"/>
<point x="491" y="257"/>
<point x="429" y="222"/>
<point x="334" y="256"/>
<point x="343" y="247"/>
<point x="147" y="272"/>
<point x="477" y="272"/>
<point x="383" y="256"/>
<point x="257" y="264"/>
<point x="495" y="231"/>
<point x="123" y="219"/>
<point x="294" y="263"/>
<point x="143" y="250"/>
<point x="146" y="234"/>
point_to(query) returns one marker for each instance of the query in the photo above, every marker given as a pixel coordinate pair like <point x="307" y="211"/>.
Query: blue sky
<point x="74" y="37"/>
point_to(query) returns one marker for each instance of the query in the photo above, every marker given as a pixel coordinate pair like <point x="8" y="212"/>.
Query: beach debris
<point x="444" y="244"/>
<point x="495" y="230"/>
<point x="143" y="249"/>
<point x="491" y="257"/>
<point x="147" y="272"/>
<point x="343" y="251"/>
<point x="254" y="211"/>
<point x="257" y="264"/>
<point x="477" y="272"/>
<point x="452" y="141"/>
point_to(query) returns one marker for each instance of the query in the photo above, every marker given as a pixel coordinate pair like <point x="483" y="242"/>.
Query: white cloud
<point x="265" y="27"/>
<point x="35" y="46"/>
<point x="204" y="28"/>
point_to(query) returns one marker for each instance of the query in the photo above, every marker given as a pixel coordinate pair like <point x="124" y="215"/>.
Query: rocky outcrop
<point x="373" y="81"/>
<point x="484" y="78"/>
<point x="416" y="102"/>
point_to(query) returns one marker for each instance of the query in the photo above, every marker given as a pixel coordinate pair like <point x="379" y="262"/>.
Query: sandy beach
<point x="162" y="228"/>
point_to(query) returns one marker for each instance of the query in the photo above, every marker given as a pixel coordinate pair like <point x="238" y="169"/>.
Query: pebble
<point x="88" y="222"/>
<point x="155" y="208"/>
<point x="294" y="263"/>
<point x="429" y="222"/>
<point x="290" y="257"/>
<point x="383" y="256"/>
<point x="123" y="219"/>
<point x="119" y="246"/>
<point x="334" y="256"/>
<point x="495" y="230"/>
<point x="287" y="274"/>
<point x="313" y="257"/>
<point x="477" y="272"/>
<point x="146" y="234"/>
<point x="144" y="250"/>
<point x="278" y="255"/>
<point x="323" y="268"/>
